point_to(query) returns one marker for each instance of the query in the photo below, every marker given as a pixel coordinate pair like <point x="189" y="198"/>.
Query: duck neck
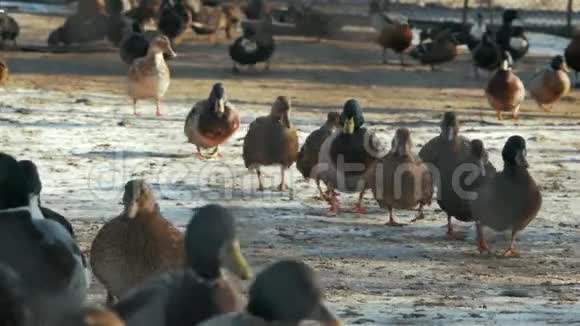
<point x="514" y="170"/>
<point x="206" y="266"/>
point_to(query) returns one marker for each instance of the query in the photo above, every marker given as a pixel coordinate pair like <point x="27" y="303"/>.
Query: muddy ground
<point x="69" y="113"/>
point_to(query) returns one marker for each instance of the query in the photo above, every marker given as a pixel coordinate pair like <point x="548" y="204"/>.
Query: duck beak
<point x="521" y="159"/>
<point x="133" y="209"/>
<point x="235" y="262"/>
<point x="565" y="68"/>
<point x="220" y="106"/>
<point x="324" y="316"/>
<point x="349" y="126"/>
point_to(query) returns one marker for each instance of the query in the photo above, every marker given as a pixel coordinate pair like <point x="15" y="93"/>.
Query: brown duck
<point x="136" y="245"/>
<point x="211" y="20"/>
<point x="441" y="50"/>
<point x="308" y="155"/>
<point x="505" y="91"/>
<point x="401" y="180"/>
<point x="550" y="85"/>
<point x="211" y="122"/>
<point x="272" y="140"/>
<point x="392" y="33"/>
<point x="511" y="199"/>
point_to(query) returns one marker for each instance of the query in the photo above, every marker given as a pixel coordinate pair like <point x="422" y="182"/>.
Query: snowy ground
<point x="87" y="145"/>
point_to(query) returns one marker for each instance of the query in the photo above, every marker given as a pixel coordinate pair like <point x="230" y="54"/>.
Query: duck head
<point x="352" y="117"/>
<point x="161" y="45"/>
<point x="33" y="178"/>
<point x="217" y="99"/>
<point x="449" y="126"/>
<point x="288" y="291"/>
<point x="558" y="63"/>
<point x="211" y="242"/>
<point x="281" y="110"/>
<point x="514" y="152"/>
<point x="479" y="154"/>
<point x="401" y="144"/>
<point x="138" y="197"/>
<point x="333" y="119"/>
<point x="15" y="189"/>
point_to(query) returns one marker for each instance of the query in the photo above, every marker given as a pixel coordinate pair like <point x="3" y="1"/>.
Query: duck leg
<point x="135" y="107"/>
<point x="359" y="207"/>
<point x="420" y="215"/>
<point x="260" y="183"/>
<point x="499" y="115"/>
<point x="157" y="108"/>
<point x="511" y="250"/>
<point x="334" y="208"/>
<point x="402" y="59"/>
<point x="283" y="186"/>
<point x="391" y="221"/>
<point x="267" y="65"/>
<point x="481" y="242"/>
<point x="450" y="234"/>
<point x="235" y="68"/>
<point x="322" y="194"/>
<point x="385" y="61"/>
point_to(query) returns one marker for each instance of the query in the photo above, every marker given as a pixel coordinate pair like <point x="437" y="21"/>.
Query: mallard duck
<point x="272" y="140"/>
<point x="211" y="122"/>
<point x="511" y="199"/>
<point x="136" y="245"/>
<point x="33" y="178"/>
<point x="445" y="153"/>
<point x="91" y="316"/>
<point x="511" y="36"/>
<point x="4" y="72"/>
<point x="254" y="46"/>
<point x="210" y="20"/>
<point x="174" y="19"/>
<point x="401" y="180"/>
<point x="313" y="22"/>
<point x="476" y="32"/>
<point x="13" y="307"/>
<point x="441" y="50"/>
<point x="487" y="55"/>
<point x="145" y="11"/>
<point x="284" y="293"/>
<point x="348" y="156"/>
<point x="505" y="91"/>
<point x="190" y="296"/>
<point x="54" y="278"/>
<point x="9" y="29"/>
<point x="308" y="155"/>
<point x="149" y="77"/>
<point x="392" y="33"/>
<point x="572" y="54"/>
<point x="79" y="29"/>
<point x="550" y="85"/>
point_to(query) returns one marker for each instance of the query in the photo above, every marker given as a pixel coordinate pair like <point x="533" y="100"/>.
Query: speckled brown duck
<point x="211" y="20"/>
<point x="393" y="33"/>
<point x="200" y="291"/>
<point x="211" y="122"/>
<point x="308" y="155"/>
<point x="285" y="293"/>
<point x="136" y="245"/>
<point x="551" y="84"/>
<point x="348" y="156"/>
<point x="272" y="140"/>
<point x="400" y="179"/>
<point x="505" y="91"/>
<point x="511" y="199"/>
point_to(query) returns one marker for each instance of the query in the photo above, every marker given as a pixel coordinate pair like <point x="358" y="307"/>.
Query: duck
<point x="9" y="29"/>
<point x="394" y="34"/>
<point x="256" y="45"/>
<point x="445" y="153"/>
<point x="54" y="278"/>
<point x="257" y="9"/>
<point x="79" y="29"/>
<point x="91" y="316"/>
<point x="200" y="290"/>
<point x="13" y="304"/>
<point x="312" y="22"/>
<point x="308" y="156"/>
<point x="174" y="19"/>
<point x="149" y="77"/>
<point x="145" y="11"/>
<point x="572" y="54"/>
<point x="136" y="245"/>
<point x="551" y="84"/>
<point x="33" y="178"/>
<point x="511" y="37"/>
<point x="441" y="50"/>
<point x="210" y="20"/>
<point x="4" y="72"/>
<point x="211" y="122"/>
<point x="510" y="200"/>
<point x="274" y="295"/>
<point x="487" y="55"/>
<point x="353" y="147"/>
<point x="119" y="25"/>
<point x="401" y="179"/>
<point x="476" y="31"/>
<point x="272" y="140"/>
<point x="505" y="91"/>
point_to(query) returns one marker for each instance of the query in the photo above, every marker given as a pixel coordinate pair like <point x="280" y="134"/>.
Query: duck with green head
<point x="348" y="156"/>
<point x="200" y="291"/>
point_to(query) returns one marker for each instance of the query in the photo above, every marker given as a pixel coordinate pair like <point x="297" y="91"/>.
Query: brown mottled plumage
<point x="441" y="50"/>
<point x="210" y="20"/>
<point x="400" y="179"/>
<point x="272" y="140"/>
<point x="4" y="72"/>
<point x="149" y="77"/>
<point x="136" y="245"/>
<point x="393" y="32"/>
<point x="511" y="199"/>
<point x="308" y="156"/>
<point x="505" y="91"/>
<point x="550" y="85"/>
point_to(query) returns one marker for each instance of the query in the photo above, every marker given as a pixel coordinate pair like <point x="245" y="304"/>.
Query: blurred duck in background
<point x="9" y="29"/>
<point x="393" y="31"/>
<point x="511" y="36"/>
<point x="550" y="84"/>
